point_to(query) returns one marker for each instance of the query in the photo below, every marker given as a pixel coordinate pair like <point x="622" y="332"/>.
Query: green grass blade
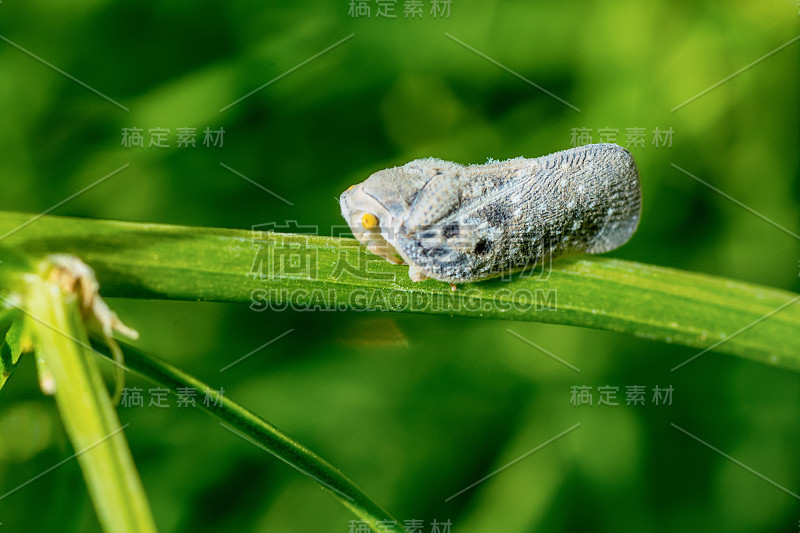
<point x="662" y="304"/>
<point x="86" y="410"/>
<point x="261" y="433"/>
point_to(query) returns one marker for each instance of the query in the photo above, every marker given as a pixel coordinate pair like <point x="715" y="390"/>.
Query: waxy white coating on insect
<point x="459" y="223"/>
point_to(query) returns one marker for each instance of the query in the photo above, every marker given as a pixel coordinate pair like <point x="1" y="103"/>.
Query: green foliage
<point x="262" y="434"/>
<point x="418" y="406"/>
<point x="235" y="266"/>
<point x="183" y="263"/>
<point x="52" y="325"/>
<point x="85" y="406"/>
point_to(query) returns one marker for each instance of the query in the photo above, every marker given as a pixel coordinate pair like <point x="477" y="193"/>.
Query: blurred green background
<point x="415" y="408"/>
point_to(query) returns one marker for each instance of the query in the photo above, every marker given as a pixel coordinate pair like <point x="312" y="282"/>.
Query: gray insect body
<point x="459" y="223"/>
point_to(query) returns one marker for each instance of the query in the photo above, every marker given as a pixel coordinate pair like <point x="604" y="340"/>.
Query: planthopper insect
<point x="459" y="223"/>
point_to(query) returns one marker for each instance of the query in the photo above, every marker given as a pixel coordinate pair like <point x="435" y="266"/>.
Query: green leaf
<point x="261" y="433"/>
<point x="273" y="269"/>
<point x="89" y="418"/>
<point x="13" y="266"/>
<point x="11" y="347"/>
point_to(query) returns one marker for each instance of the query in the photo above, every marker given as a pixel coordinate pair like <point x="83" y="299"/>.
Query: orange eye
<point x="369" y="221"/>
